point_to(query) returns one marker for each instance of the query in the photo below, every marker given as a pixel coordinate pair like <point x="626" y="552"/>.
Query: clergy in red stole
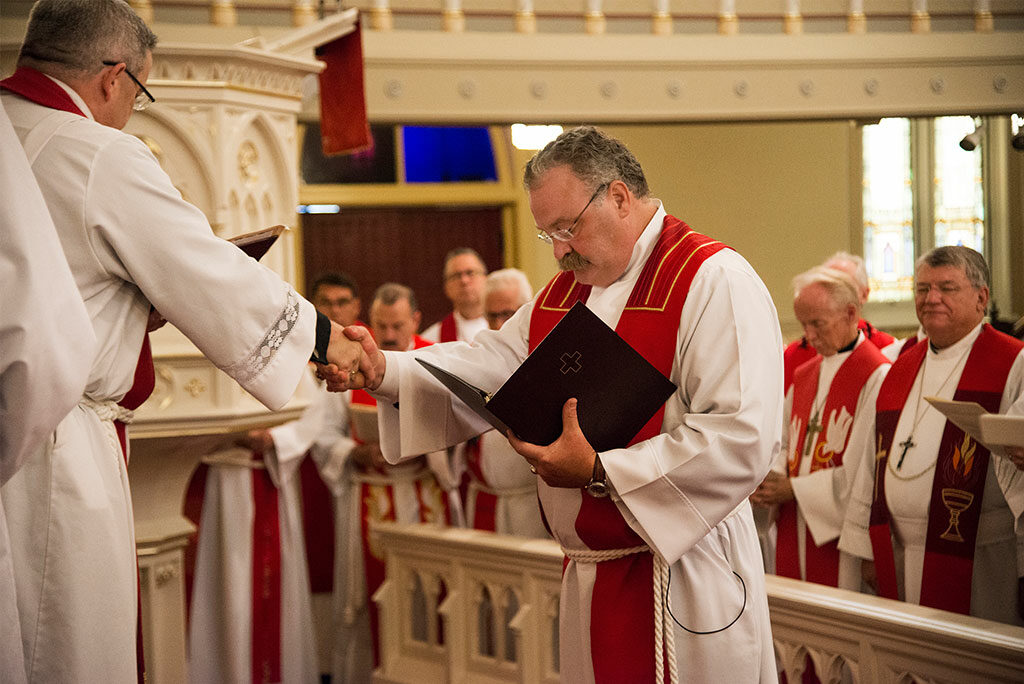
<point x="463" y="273"/>
<point x="933" y="511"/>
<point x="502" y="492"/>
<point x="801" y="351"/>
<point x="408" y="492"/>
<point x="665" y="514"/>
<point x="826" y="412"/>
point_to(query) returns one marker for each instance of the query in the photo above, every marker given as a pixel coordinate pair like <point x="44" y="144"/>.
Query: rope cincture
<point x="664" y="635"/>
<point x="108" y="411"/>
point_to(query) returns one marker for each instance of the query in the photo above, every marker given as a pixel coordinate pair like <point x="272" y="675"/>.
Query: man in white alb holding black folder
<point x="675" y="497"/>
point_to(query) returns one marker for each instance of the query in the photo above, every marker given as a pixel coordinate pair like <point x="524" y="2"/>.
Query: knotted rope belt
<point x="108" y="411"/>
<point x="664" y="635"/>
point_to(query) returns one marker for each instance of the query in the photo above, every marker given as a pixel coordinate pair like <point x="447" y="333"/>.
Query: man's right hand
<point x="355" y="361"/>
<point x="367" y="456"/>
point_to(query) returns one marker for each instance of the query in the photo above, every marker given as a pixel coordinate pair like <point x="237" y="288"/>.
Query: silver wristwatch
<point x="598" y="485"/>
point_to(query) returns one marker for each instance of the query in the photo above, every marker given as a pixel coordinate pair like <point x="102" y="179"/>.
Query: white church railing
<point x="469" y="606"/>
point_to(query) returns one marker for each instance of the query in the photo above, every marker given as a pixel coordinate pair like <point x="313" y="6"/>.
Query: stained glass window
<point x="959" y="193"/>
<point x="888" y="210"/>
<point x="902" y="218"/>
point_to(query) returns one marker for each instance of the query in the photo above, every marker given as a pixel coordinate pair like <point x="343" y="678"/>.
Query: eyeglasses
<point x="468" y="273"/>
<point x="566" y="234"/>
<point x="143" y="98"/>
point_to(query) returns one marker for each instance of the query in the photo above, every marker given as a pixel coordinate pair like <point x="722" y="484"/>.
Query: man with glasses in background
<point x="934" y="515"/>
<point x="132" y="243"/>
<point x="464" y="273"/>
<point x="665" y="515"/>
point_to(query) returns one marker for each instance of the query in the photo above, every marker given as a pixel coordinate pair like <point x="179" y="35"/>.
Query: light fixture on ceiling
<point x="972" y="140"/>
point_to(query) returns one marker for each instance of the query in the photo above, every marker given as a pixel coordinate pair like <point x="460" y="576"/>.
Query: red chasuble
<point x="649" y="323"/>
<point x="822" y="562"/>
<point x="960" y="472"/>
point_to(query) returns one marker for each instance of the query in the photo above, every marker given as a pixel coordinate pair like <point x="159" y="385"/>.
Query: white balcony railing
<point x="468" y="606"/>
<point x="661" y="17"/>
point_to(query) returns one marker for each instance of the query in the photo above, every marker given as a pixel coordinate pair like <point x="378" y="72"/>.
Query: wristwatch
<point x="598" y="485"/>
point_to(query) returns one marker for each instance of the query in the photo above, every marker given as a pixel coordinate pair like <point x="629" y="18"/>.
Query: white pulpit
<point x="224" y="129"/>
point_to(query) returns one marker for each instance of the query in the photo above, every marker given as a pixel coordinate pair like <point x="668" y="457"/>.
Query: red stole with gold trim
<point x="821" y="562"/>
<point x="958" y="484"/>
<point x="650" y="324"/>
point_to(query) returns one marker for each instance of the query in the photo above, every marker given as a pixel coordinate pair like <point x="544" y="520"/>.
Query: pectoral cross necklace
<point x="919" y="415"/>
<point x="814" y="428"/>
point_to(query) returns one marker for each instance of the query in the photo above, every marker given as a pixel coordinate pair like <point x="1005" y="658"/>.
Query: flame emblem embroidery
<point x="963" y="457"/>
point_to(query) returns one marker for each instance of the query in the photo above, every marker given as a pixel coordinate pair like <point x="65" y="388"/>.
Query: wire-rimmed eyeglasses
<point x="566" y="234"/>
<point x="143" y="98"/>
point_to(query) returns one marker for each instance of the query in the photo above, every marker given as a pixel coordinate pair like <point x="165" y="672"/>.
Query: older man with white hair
<point x="827" y="409"/>
<point x="801" y="351"/>
<point x="502" y="492"/>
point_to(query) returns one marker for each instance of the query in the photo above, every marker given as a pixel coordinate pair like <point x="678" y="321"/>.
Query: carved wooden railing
<point x="469" y="606"/>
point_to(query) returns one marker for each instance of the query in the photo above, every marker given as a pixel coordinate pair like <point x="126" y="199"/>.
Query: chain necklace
<point x="919" y="415"/>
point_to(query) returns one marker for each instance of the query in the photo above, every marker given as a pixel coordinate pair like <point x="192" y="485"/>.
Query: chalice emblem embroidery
<point x="958" y="500"/>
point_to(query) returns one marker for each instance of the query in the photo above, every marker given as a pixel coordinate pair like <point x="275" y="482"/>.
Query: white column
<point x="792" y="21"/>
<point x="526" y="20"/>
<point x="728" y="23"/>
<point x="983" y="16"/>
<point x="453" y="19"/>
<point x="661" y="21"/>
<point x="855" y="20"/>
<point x="380" y="16"/>
<point x="920" y="21"/>
<point x="594" y="22"/>
<point x="222" y="13"/>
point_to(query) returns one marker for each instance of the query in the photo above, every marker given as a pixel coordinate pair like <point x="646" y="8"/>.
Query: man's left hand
<point x="775" y="489"/>
<point x="566" y="462"/>
<point x="1016" y="454"/>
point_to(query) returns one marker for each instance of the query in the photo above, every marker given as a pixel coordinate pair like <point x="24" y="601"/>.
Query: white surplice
<point x="466" y="329"/>
<point x="131" y="241"/>
<point x="324" y="429"/>
<point x="41" y="376"/>
<point x="507" y="476"/>
<point x="683" y="491"/>
<point x="221" y="619"/>
<point x="821" y="496"/>
<point x="997" y="562"/>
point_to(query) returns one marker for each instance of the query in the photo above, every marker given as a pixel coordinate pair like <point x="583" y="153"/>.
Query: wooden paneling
<point x="400" y="244"/>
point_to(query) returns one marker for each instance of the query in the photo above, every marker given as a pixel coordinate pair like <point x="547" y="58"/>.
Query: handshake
<point x="354" y="361"/>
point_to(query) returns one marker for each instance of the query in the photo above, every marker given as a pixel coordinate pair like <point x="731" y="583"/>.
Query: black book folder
<point x="617" y="389"/>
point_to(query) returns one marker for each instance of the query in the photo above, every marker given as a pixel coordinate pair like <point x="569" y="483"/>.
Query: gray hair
<point x="509" y="278"/>
<point x="72" y="38"/>
<point x="593" y="156"/>
<point x="840" y="285"/>
<point x="391" y="293"/>
<point x="966" y="259"/>
<point x="860" y="271"/>
<point x="459" y="251"/>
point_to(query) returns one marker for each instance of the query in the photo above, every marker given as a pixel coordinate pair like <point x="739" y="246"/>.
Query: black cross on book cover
<point x="617" y="389"/>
